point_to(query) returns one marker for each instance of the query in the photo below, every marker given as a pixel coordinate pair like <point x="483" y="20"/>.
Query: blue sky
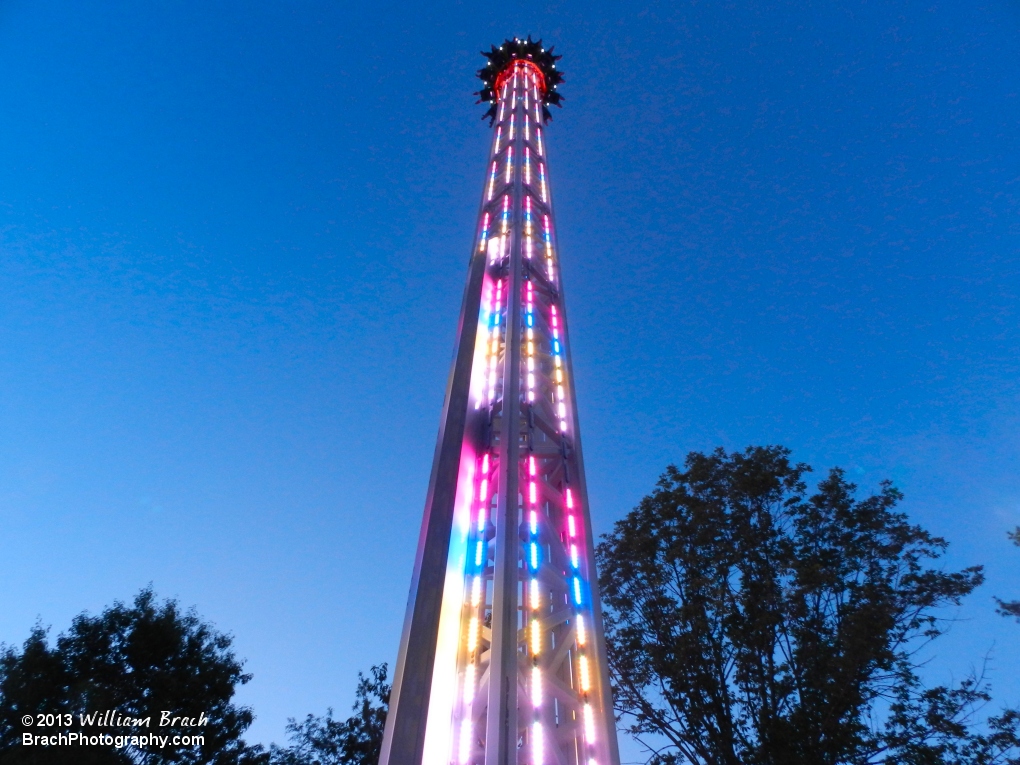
<point x="233" y="239"/>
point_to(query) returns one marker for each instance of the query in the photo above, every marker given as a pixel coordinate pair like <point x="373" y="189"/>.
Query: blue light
<point x="577" y="590"/>
<point x="534" y="555"/>
<point x="478" y="553"/>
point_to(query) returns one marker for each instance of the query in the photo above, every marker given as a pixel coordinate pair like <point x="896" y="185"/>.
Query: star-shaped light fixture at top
<point x="500" y="66"/>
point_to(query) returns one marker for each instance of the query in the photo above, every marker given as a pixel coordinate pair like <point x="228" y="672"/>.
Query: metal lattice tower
<point x="502" y="659"/>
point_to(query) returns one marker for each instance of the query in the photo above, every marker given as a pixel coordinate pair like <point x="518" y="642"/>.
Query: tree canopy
<point x="137" y="660"/>
<point x="750" y="621"/>
<point x="354" y="741"/>
<point x="1011" y="607"/>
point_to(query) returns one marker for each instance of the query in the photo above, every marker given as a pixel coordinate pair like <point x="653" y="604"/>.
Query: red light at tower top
<point x="502" y="660"/>
<point x="510" y="69"/>
<point x="507" y="59"/>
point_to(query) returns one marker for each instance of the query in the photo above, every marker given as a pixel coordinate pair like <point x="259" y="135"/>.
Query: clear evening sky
<point x="233" y="239"/>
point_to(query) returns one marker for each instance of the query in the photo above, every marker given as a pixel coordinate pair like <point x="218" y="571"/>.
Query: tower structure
<point x="502" y="659"/>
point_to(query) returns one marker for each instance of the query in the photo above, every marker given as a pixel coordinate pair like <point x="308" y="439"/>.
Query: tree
<point x="137" y="661"/>
<point x="1011" y="607"/>
<point x="354" y="741"/>
<point x="750" y="622"/>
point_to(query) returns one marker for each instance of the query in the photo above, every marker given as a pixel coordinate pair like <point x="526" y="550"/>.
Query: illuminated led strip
<point x="547" y="236"/>
<point x="584" y="668"/>
<point x="488" y="308"/>
<point x="510" y="136"/>
<point x="499" y="133"/>
<point x="538" y="135"/>
<point x="506" y="213"/>
<point x="534" y="599"/>
<point x="527" y="165"/>
<point x="527" y="128"/>
<point x="493" y="340"/>
<point x="476" y="607"/>
<point x="528" y="241"/>
<point x="529" y="317"/>
<point x="485" y="233"/>
<point x="509" y="160"/>
<point x="577" y="588"/>
<point x="557" y="353"/>
<point x="541" y="179"/>
<point x="492" y="181"/>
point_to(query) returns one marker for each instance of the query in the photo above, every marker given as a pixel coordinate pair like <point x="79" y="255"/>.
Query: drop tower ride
<point x="502" y="659"/>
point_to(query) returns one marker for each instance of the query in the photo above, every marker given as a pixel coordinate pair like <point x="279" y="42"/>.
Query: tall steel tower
<point x="502" y="660"/>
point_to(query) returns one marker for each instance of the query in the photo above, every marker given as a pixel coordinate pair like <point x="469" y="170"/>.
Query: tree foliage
<point x="137" y="660"/>
<point x="354" y="741"/>
<point x="752" y="622"/>
<point x="1011" y="607"/>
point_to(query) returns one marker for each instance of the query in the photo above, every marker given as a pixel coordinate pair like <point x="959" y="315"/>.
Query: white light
<point x="589" y="724"/>
<point x="465" y="742"/>
<point x="473" y="633"/>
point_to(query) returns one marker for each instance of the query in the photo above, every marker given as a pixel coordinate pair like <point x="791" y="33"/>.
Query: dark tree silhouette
<point x="1011" y="607"/>
<point x="749" y="622"/>
<point x="354" y="741"/>
<point x="136" y="660"/>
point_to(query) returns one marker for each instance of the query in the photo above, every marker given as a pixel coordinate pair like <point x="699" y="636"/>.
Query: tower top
<point x="501" y="66"/>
